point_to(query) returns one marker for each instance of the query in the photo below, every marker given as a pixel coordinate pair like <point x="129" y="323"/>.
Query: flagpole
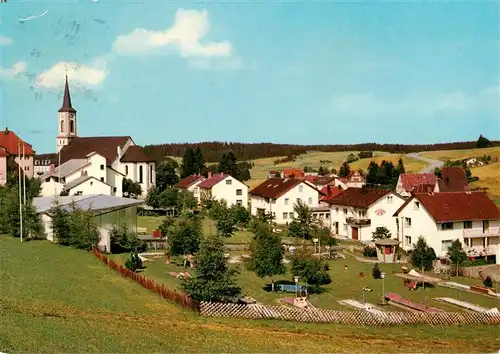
<point x="20" y="196"/>
<point x="24" y="176"/>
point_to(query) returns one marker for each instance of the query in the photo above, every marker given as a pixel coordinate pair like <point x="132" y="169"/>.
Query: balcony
<point x="479" y="232"/>
<point x="480" y="251"/>
<point x="358" y="221"/>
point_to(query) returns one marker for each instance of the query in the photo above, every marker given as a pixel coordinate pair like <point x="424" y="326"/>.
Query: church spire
<point x="66" y="106"/>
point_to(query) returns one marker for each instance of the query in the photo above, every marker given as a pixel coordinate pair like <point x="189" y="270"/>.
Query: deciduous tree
<point x="380" y="233"/>
<point x="422" y="256"/>
<point x="457" y="255"/>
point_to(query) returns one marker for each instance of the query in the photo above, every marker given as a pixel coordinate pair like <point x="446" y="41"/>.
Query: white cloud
<point x="16" y="69"/>
<point x="82" y="75"/>
<point x="369" y="105"/>
<point x="4" y="40"/>
<point x="185" y="35"/>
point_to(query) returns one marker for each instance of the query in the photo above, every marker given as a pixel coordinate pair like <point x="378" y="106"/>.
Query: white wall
<point x="196" y="190"/>
<point x="400" y="189"/>
<point x="115" y="180"/>
<point x="389" y="204"/>
<point x="50" y="188"/>
<point x="91" y="186"/>
<point x="228" y="192"/>
<point x="131" y="171"/>
<point x="97" y="168"/>
<point x="284" y="204"/>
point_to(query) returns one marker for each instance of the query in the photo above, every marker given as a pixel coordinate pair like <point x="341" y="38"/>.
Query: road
<point x="432" y="164"/>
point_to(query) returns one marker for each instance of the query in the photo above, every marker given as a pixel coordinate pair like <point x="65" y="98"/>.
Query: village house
<point x="441" y="218"/>
<point x="95" y="159"/>
<point x="191" y="183"/>
<point x="22" y="153"/>
<point x="222" y="186"/>
<point x="357" y="212"/>
<point x="408" y="182"/>
<point x="292" y="173"/>
<point x="277" y="196"/>
<point x="451" y="179"/>
<point x="353" y="180"/>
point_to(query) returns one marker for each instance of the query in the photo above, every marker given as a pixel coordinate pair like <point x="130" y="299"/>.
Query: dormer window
<point x="301" y="188"/>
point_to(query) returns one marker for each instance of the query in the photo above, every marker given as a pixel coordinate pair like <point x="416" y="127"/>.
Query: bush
<point x="376" y="271"/>
<point x="134" y="263"/>
<point x="369" y="251"/>
<point x="488" y="282"/>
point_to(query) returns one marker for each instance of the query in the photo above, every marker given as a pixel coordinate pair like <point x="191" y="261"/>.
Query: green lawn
<point x="346" y="284"/>
<point x="57" y="299"/>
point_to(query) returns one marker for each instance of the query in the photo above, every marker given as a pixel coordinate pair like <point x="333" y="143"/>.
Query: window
<point x="114" y="189"/>
<point x="286" y="201"/>
<point x="327" y="215"/>
<point x="362" y="213"/>
<point x="26" y="168"/>
<point x="291" y="215"/>
<point x="467" y="224"/>
<point x="62" y="127"/>
<point x="344" y="226"/>
<point x="151" y="174"/>
<point x="79" y="193"/>
<point x="229" y="182"/>
<point x="102" y="167"/>
<point x="408" y="240"/>
<point x="301" y="188"/>
<point x="91" y="183"/>
<point x="239" y="192"/>
<point x="445" y="245"/>
<point x="285" y="215"/>
<point x="71" y="126"/>
<point x="416" y="205"/>
<point x="345" y="211"/>
<point x="239" y="202"/>
<point x="447" y="226"/>
<point x="140" y="174"/>
<point x="102" y="179"/>
<point x="126" y="170"/>
<point x="310" y="201"/>
<point x="389" y="199"/>
<point x="407" y="222"/>
<point x="273" y="201"/>
<point x="337" y="210"/>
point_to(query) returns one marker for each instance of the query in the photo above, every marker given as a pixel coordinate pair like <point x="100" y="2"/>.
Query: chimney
<point x="52" y="169"/>
<point x="209" y="174"/>
<point x="6" y="130"/>
<point x="119" y="152"/>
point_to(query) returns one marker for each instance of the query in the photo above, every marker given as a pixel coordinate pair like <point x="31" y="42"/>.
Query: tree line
<point x="213" y="150"/>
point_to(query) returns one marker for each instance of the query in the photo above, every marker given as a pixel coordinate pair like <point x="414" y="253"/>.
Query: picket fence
<point x="176" y="296"/>
<point x="215" y="309"/>
<point x="362" y="318"/>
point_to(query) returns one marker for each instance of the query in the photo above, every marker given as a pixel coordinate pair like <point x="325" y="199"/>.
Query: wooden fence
<point x="344" y="317"/>
<point x="176" y="296"/>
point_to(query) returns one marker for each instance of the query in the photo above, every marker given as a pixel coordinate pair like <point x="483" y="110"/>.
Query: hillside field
<point x="489" y="175"/>
<point x="58" y="299"/>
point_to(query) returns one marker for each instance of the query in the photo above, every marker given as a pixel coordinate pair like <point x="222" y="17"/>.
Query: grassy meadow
<point x="58" y="299"/>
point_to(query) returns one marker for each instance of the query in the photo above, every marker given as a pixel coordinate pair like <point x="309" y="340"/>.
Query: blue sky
<point x="296" y="72"/>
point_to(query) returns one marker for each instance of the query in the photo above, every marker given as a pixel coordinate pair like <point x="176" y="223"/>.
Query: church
<point x="91" y="165"/>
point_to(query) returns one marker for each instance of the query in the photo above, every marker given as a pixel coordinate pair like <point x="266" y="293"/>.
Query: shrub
<point x="369" y="251"/>
<point x="376" y="271"/>
<point x="134" y="262"/>
<point x="488" y="282"/>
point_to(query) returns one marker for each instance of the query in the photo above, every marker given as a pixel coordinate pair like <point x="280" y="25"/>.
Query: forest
<point x="213" y="150"/>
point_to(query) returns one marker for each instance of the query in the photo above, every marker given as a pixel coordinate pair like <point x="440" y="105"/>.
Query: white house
<point x="191" y="183"/>
<point x="118" y="156"/>
<point x="441" y="218"/>
<point x="353" y="180"/>
<point x="412" y="182"/>
<point x="110" y="213"/>
<point x="277" y="196"/>
<point x="357" y="212"/>
<point x="221" y="186"/>
<point x="82" y="177"/>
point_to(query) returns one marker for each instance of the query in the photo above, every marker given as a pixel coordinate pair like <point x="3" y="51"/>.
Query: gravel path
<point x="432" y="164"/>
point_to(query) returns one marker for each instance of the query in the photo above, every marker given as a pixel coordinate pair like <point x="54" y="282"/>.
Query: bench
<point x="291" y="288"/>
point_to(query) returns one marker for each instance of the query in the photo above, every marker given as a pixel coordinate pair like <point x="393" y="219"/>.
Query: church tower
<point x="67" y="120"/>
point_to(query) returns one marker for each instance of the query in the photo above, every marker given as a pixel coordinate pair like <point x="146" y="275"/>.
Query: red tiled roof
<point x="311" y="179"/>
<point x="106" y="146"/>
<point x="212" y="181"/>
<point x="424" y="188"/>
<point x="135" y="153"/>
<point x="9" y="141"/>
<point x="188" y="181"/>
<point x="456" y="206"/>
<point x="412" y="180"/>
<point x="330" y="192"/>
<point x="358" y="197"/>
<point x="295" y="172"/>
<point x="453" y="179"/>
<point x="276" y="187"/>
<point x="324" y="180"/>
<point x="353" y="176"/>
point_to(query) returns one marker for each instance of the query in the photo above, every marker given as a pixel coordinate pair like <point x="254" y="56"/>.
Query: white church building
<point x="91" y="165"/>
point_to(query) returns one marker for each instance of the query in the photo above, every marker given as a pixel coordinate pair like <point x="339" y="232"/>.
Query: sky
<point x="284" y="72"/>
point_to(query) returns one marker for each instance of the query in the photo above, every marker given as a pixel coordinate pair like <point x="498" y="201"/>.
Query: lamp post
<point x="296" y="280"/>
<point x="382" y="275"/>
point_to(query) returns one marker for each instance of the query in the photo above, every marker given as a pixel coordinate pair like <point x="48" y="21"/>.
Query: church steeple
<point x="66" y="106"/>
<point x="67" y="120"/>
